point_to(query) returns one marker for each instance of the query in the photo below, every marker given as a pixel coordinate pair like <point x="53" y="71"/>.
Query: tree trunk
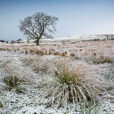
<point x="37" y="41"/>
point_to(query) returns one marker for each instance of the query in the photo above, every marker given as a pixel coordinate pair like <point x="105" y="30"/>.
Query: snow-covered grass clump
<point x="71" y="85"/>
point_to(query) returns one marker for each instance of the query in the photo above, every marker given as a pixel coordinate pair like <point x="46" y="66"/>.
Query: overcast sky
<point x="76" y="17"/>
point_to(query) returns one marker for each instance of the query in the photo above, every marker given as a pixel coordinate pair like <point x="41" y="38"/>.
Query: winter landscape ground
<point x="64" y="77"/>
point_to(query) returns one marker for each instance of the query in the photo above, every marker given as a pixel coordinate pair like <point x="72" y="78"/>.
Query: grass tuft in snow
<point x="101" y="59"/>
<point x="13" y="82"/>
<point x="70" y="85"/>
<point x="36" y="63"/>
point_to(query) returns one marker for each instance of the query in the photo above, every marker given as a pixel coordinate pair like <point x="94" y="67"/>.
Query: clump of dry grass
<point x="101" y="59"/>
<point x="33" y="62"/>
<point x="36" y="63"/>
<point x="13" y="82"/>
<point x="13" y="78"/>
<point x="72" y="54"/>
<point x="70" y="85"/>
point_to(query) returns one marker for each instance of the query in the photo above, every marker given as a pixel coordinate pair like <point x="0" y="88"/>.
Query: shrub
<point x="70" y="86"/>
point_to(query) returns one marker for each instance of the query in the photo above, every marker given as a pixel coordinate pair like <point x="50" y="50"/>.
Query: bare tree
<point x="38" y="26"/>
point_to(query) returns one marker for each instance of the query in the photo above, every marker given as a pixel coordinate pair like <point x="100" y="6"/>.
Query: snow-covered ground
<point x="28" y="101"/>
<point x="77" y="38"/>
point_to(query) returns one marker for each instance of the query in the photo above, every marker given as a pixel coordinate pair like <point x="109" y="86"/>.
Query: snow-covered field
<point x="36" y="64"/>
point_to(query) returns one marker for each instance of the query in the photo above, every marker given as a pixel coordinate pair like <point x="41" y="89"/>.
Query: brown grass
<point x="71" y="85"/>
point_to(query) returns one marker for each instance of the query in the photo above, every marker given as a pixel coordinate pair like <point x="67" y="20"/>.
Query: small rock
<point x="1" y="104"/>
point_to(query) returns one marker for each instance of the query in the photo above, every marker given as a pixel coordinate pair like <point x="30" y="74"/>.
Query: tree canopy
<point x="38" y="26"/>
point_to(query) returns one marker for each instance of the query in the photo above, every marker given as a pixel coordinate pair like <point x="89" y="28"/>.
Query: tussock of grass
<point x="14" y="77"/>
<point x="70" y="85"/>
<point x="101" y="59"/>
<point x="37" y="63"/>
<point x="33" y="62"/>
<point x="13" y="82"/>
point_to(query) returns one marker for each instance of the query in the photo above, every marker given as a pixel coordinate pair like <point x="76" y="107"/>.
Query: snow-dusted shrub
<point x="70" y="85"/>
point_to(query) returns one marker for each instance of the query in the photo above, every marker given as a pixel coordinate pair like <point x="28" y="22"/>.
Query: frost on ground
<point x="36" y="72"/>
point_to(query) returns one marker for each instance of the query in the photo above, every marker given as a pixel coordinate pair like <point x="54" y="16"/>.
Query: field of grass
<point x="70" y="77"/>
